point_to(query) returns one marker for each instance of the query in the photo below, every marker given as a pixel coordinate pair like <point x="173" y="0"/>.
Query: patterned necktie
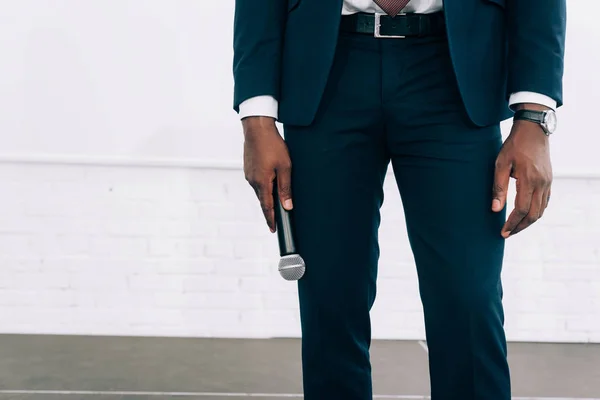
<point x="392" y="7"/>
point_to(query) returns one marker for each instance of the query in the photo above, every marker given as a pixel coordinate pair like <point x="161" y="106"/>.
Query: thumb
<point x="284" y="186"/>
<point x="500" y="189"/>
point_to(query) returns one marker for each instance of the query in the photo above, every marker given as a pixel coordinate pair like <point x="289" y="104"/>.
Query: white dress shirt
<point x="267" y="106"/>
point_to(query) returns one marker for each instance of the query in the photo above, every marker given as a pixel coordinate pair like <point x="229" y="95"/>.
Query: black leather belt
<point x="401" y="26"/>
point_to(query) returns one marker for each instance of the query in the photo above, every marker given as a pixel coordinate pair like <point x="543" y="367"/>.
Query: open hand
<point x="525" y="156"/>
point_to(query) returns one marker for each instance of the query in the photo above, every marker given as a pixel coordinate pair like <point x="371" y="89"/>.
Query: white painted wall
<point x="124" y="249"/>
<point x="161" y="251"/>
<point x="152" y="78"/>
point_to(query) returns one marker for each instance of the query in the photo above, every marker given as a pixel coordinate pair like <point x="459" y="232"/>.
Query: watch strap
<point x="530" y="115"/>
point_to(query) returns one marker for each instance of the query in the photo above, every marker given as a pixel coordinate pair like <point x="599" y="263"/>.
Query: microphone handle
<point x="283" y="220"/>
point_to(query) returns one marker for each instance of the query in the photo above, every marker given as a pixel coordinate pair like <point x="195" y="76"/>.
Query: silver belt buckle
<point x="378" y="27"/>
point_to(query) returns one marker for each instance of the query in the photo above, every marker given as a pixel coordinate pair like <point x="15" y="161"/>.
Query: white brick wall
<point x="174" y="251"/>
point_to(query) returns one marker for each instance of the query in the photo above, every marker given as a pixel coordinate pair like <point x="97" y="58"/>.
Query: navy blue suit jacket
<point x="285" y="48"/>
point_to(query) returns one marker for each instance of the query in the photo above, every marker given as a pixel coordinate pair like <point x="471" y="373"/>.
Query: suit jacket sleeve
<point x="536" y="46"/>
<point x="258" y="36"/>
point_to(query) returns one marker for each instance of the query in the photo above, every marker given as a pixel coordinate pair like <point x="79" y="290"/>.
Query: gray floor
<point x="108" y="368"/>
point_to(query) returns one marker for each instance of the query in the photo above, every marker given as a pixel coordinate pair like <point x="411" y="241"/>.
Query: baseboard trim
<point x="188" y="163"/>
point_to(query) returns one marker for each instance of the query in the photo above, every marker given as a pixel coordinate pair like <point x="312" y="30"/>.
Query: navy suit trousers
<point x="390" y="100"/>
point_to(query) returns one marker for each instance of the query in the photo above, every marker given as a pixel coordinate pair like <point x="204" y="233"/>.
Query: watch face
<point x="550" y="121"/>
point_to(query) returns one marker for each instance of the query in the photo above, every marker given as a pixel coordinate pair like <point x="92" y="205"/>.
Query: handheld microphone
<point x="291" y="265"/>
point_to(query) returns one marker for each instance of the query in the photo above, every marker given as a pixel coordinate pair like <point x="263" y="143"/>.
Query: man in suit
<point x="422" y="84"/>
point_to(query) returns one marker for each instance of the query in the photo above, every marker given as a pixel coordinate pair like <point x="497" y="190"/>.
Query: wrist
<point x="545" y="118"/>
<point x="258" y="124"/>
<point x="523" y="127"/>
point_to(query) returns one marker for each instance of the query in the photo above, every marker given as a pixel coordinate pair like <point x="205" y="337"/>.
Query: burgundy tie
<point x="392" y="7"/>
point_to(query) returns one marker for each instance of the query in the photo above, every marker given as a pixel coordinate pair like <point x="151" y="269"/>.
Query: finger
<point x="521" y="210"/>
<point x="535" y="211"/>
<point x="264" y="192"/>
<point x="501" y="182"/>
<point x="284" y="186"/>
<point x="545" y="200"/>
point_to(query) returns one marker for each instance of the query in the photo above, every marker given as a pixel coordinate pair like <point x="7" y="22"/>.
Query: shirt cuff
<point x="259" y="106"/>
<point x="531" y="97"/>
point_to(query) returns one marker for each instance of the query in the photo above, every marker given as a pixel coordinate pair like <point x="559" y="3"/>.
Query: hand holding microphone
<point x="267" y="167"/>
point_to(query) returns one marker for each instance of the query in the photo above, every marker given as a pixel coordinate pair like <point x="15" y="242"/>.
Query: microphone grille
<point x="292" y="267"/>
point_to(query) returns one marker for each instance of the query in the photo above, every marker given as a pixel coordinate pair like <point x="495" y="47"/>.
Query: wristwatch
<point x="546" y="119"/>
